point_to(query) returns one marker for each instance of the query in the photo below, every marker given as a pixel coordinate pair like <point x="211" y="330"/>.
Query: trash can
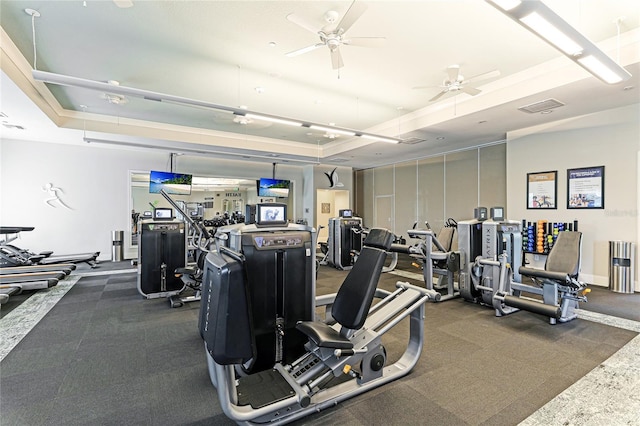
<point x="117" y="246"/>
<point x="622" y="261"/>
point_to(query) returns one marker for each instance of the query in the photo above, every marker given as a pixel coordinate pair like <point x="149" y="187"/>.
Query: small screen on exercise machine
<point x="497" y="213"/>
<point x="164" y="213"/>
<point x="271" y="214"/>
<point x="345" y="213"/>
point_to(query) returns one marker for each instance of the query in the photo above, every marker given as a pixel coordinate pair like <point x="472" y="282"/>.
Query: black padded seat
<point x="354" y="298"/>
<point x="563" y="261"/>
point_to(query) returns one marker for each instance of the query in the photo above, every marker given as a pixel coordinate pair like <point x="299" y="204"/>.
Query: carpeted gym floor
<point x="103" y="355"/>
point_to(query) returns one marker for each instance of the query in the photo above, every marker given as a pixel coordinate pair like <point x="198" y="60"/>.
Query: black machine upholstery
<point x="354" y="298"/>
<point x="225" y="315"/>
<point x="563" y="261"/>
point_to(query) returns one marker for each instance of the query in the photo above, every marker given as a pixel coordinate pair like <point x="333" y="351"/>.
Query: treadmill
<point x="46" y="258"/>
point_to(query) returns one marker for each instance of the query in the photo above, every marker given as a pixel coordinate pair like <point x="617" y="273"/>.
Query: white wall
<point x="95" y="182"/>
<point x="610" y="138"/>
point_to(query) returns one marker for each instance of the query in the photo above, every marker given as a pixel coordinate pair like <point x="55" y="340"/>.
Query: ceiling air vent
<point x="540" y="106"/>
<point x="338" y="160"/>
<point x="412" y="141"/>
<point x="12" y="126"/>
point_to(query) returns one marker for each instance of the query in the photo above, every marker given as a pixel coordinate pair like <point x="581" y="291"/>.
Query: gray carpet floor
<point x="105" y="356"/>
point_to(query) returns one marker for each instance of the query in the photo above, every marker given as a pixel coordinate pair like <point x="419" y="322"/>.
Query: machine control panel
<point x="164" y="226"/>
<point x="276" y="241"/>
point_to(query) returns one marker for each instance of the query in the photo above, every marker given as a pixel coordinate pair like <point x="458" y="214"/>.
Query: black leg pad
<point x="532" y="306"/>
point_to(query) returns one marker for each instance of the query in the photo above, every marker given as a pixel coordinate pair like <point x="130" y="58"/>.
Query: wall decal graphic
<point x="334" y="181"/>
<point x="54" y="199"/>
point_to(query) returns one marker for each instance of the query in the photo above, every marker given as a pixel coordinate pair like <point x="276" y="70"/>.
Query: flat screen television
<point x="271" y="214"/>
<point x="172" y="183"/>
<point x="273" y="187"/>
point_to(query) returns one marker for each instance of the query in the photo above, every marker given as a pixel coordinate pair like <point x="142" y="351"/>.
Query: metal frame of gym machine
<point x="309" y="375"/>
<point x="493" y="278"/>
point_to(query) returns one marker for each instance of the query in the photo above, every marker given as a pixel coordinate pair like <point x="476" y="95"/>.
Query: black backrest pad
<point x="379" y="238"/>
<point x="565" y="254"/>
<point x="225" y="311"/>
<point x="354" y="298"/>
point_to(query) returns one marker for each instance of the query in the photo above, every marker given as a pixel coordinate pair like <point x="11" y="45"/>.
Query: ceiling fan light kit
<point x="545" y="23"/>
<point x="334" y="38"/>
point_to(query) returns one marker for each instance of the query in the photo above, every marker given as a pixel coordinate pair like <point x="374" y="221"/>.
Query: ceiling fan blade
<point x="365" y="41"/>
<point x="351" y="16"/>
<point x="485" y="76"/>
<point x="438" y="96"/>
<point x="123" y="3"/>
<point x="470" y="90"/>
<point x="336" y="59"/>
<point x="303" y="23"/>
<point x="304" y="50"/>
<point x="453" y="71"/>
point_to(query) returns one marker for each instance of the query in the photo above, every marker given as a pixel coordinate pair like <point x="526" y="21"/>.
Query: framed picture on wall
<point x="585" y="188"/>
<point x="542" y="188"/>
<point x="326" y="207"/>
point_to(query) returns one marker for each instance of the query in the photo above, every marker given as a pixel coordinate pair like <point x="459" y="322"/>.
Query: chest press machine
<point x="339" y="357"/>
<point x="494" y="276"/>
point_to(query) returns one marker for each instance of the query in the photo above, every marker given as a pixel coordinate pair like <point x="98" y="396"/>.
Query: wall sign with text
<point x="585" y="188"/>
<point x="542" y="189"/>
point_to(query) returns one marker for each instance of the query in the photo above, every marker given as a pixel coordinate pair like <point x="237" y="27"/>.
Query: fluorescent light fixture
<point x="195" y="151"/>
<point x="545" y="23"/>
<point x="506" y="4"/>
<point x="65" y="80"/>
<point x="333" y="130"/>
<point x="552" y="34"/>
<point x="379" y="138"/>
<point x="274" y="119"/>
<point x="596" y="67"/>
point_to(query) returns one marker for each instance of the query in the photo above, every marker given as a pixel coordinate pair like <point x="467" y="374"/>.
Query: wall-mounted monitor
<point x="271" y="214"/>
<point x="273" y="187"/>
<point x="172" y="183"/>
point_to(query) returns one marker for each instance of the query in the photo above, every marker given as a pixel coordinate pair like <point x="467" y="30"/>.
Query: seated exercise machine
<point x="344" y="243"/>
<point x="492" y="272"/>
<point x="328" y="361"/>
<point x="162" y="248"/>
<point x="436" y="256"/>
<point x="345" y="240"/>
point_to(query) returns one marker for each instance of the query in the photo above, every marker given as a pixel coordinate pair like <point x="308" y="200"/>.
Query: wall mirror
<point x="213" y="195"/>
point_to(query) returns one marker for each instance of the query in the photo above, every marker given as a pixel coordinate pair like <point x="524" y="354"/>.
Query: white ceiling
<point x="219" y="52"/>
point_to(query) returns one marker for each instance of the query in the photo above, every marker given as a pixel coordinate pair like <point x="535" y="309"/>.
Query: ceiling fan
<point x="456" y="82"/>
<point x="334" y="36"/>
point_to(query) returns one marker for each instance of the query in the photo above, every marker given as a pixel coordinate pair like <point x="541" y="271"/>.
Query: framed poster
<point x="542" y="189"/>
<point x="585" y="188"/>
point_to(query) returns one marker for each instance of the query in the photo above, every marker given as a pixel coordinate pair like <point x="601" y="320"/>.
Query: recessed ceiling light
<point x="625" y="88"/>
<point x="378" y="153"/>
<point x="272" y="44"/>
<point x="546" y="111"/>
<point x="440" y="138"/>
